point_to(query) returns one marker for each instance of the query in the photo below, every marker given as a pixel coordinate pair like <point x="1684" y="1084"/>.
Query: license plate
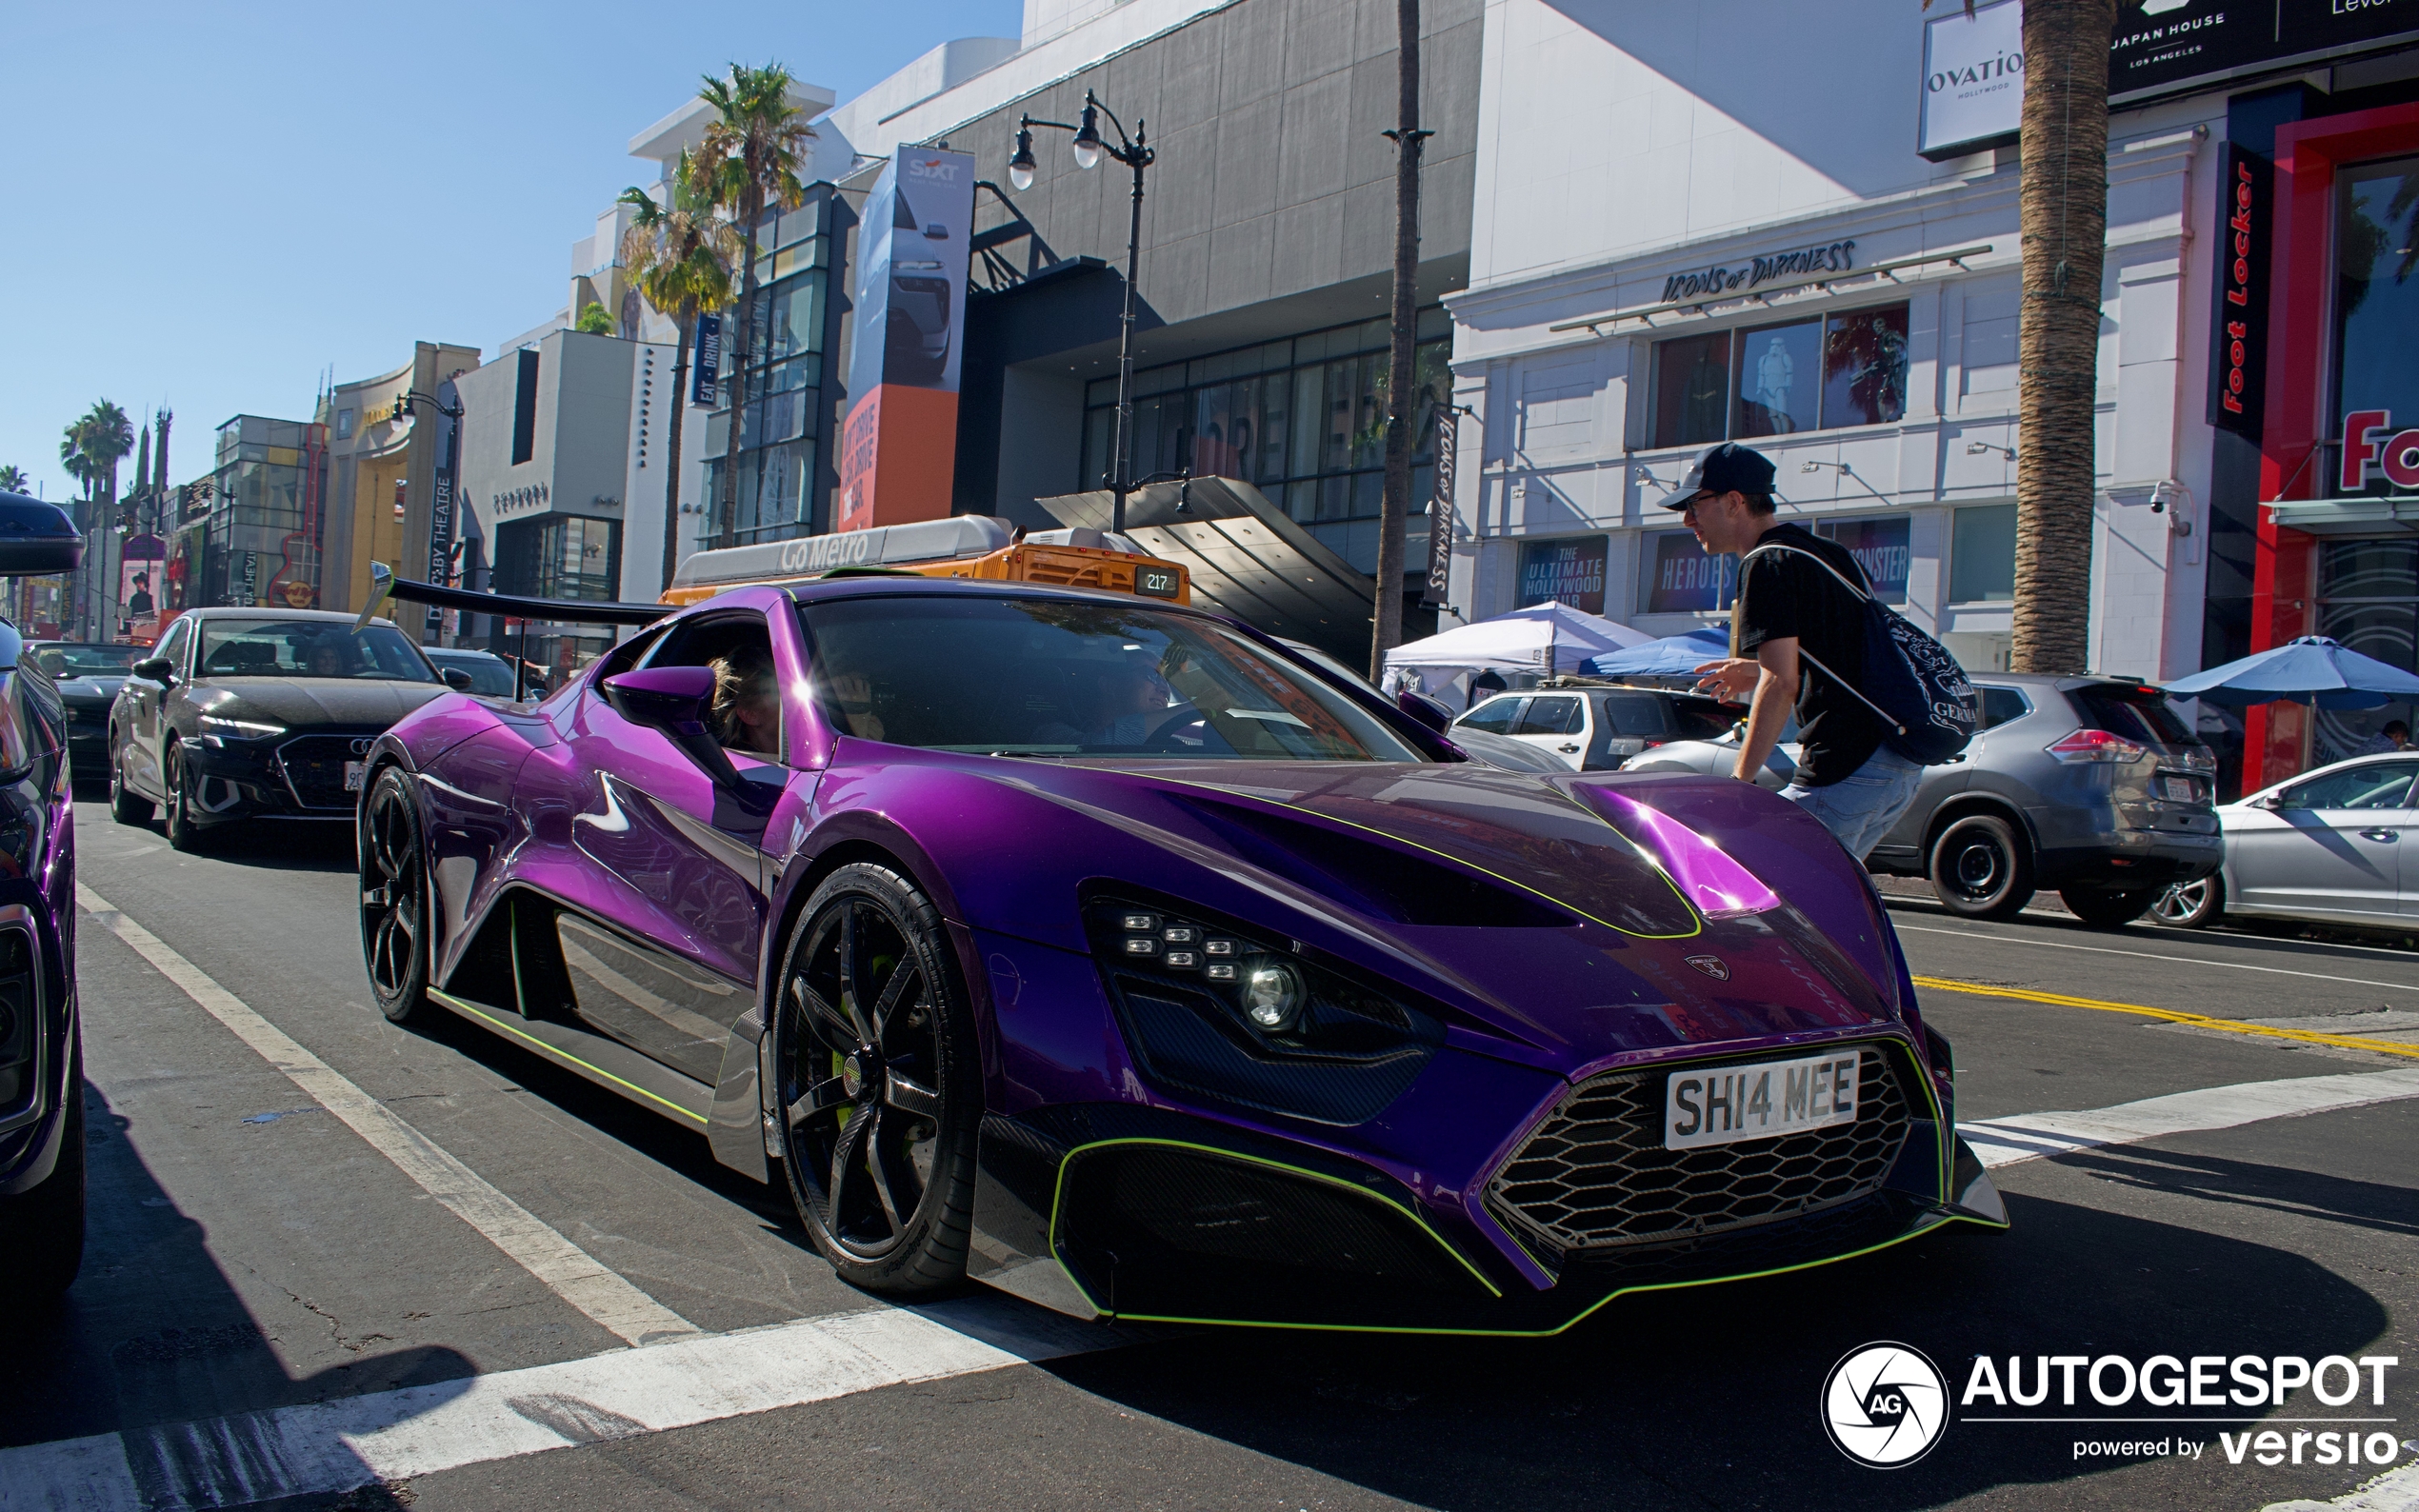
<point x="2180" y="789"/>
<point x="353" y="776"/>
<point x="1159" y="583"/>
<point x="1771" y="1098"/>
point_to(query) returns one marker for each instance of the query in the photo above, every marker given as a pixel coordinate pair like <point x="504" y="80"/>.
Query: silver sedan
<point x="2328" y="847"/>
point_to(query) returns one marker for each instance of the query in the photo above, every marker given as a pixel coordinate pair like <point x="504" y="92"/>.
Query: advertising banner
<point x="1570" y="572"/>
<point x="139" y="585"/>
<point x="708" y="360"/>
<point x="1880" y="547"/>
<point x="2238" y="337"/>
<point x="448" y="437"/>
<point x="898" y="446"/>
<point x="1681" y="579"/>
<point x="1973" y="79"/>
<point x="2167" y="46"/>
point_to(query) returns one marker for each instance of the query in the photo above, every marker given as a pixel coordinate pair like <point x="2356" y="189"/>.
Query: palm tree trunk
<point x="687" y="322"/>
<point x="2064" y="199"/>
<point x="736" y="393"/>
<point x="1395" y="501"/>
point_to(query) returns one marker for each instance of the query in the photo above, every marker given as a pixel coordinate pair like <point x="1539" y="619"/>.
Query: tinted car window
<point x="2135" y="716"/>
<point x="87" y="660"/>
<point x="171" y="647"/>
<point x="2000" y="704"/>
<point x="1637" y="714"/>
<point x="1043" y="677"/>
<point x="1494" y="716"/>
<point x="490" y="677"/>
<point x="2381" y="784"/>
<point x="310" y="648"/>
<point x="1549" y="716"/>
<point x="1704" y="719"/>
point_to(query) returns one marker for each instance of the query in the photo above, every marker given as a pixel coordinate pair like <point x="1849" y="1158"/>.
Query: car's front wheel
<point x="2192" y="904"/>
<point x="125" y="805"/>
<point x="183" y="833"/>
<point x="395" y="898"/>
<point x="876" y="1089"/>
<point x="2108" y="907"/>
<point x="1981" y="867"/>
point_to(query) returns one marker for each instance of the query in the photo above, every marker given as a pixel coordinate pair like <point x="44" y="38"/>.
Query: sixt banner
<point x="898" y="448"/>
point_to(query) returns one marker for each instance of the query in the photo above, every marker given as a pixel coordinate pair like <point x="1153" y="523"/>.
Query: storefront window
<point x="2368" y="599"/>
<point x="1676" y="577"/>
<point x="2377" y="301"/>
<point x="1570" y="572"/>
<point x="1844" y="369"/>
<point x="1879" y="546"/>
<point x="1982" y="555"/>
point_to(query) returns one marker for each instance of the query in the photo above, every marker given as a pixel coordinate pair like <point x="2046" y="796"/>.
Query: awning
<point x="1247" y="558"/>
<point x="2361" y="515"/>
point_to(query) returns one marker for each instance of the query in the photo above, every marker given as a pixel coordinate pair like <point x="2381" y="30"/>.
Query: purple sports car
<point x="1109" y="953"/>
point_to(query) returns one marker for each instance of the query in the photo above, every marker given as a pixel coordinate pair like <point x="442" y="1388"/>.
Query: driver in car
<point x="1116" y="705"/>
<point x="326" y="659"/>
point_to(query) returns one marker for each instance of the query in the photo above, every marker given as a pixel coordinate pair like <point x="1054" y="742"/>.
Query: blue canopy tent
<point x="1673" y="656"/>
<point x="2311" y="669"/>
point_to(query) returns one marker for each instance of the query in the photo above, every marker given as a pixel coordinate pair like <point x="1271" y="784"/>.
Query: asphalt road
<point x="254" y="1257"/>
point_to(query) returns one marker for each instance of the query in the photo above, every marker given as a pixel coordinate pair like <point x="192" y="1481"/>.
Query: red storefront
<point x="2338" y="531"/>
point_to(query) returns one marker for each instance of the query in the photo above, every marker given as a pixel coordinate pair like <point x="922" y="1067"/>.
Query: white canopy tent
<point x="1543" y="639"/>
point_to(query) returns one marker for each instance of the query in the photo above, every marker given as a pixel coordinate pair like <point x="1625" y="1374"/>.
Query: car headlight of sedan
<point x="217" y="728"/>
<point x="1229" y="1016"/>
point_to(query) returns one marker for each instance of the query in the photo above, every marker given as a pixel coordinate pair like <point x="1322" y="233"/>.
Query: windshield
<point x="309" y="648"/>
<point x="490" y="677"/>
<point x="87" y="660"/>
<point x="1032" y="677"/>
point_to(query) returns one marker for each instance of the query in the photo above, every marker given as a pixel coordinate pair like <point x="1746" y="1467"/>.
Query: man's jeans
<point x="1861" y="807"/>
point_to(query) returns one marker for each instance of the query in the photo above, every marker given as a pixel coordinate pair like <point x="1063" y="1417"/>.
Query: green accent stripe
<point x="462" y="1005"/>
<point x="1058" y="1201"/>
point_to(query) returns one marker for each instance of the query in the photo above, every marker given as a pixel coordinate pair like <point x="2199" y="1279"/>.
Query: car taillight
<point x="1648" y="745"/>
<point x="2097" y="746"/>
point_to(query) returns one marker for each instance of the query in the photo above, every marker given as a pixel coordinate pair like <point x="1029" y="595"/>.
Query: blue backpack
<point x="1908" y="680"/>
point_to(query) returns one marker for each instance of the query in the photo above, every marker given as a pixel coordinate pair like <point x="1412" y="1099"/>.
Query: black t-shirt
<point x="1783" y="594"/>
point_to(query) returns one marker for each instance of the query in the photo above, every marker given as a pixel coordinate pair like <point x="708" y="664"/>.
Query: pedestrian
<point x="2394" y="736"/>
<point x="1486" y="686"/>
<point x="1787" y="602"/>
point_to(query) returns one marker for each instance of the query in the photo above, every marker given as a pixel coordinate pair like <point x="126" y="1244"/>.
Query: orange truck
<point x="962" y="545"/>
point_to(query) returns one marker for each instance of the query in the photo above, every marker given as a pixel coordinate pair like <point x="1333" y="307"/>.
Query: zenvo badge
<point x="1884" y="1406"/>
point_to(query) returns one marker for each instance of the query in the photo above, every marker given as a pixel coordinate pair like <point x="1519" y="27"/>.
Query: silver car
<point x="1594" y="729"/>
<point x="2328" y="847"/>
<point x="2088" y="784"/>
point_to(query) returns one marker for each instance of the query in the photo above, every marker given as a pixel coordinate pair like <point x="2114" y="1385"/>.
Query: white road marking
<point x="566" y="1270"/>
<point x="2038" y="1136"/>
<point x="2395" y="1491"/>
<point x="333" y="1446"/>
<point x="2144" y="955"/>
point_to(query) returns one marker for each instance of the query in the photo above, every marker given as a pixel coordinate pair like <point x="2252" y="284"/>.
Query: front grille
<point x="1595" y="1174"/>
<point x="314" y="768"/>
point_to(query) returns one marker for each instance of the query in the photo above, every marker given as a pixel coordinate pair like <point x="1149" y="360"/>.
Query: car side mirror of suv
<point x="2267" y="801"/>
<point x="157" y="670"/>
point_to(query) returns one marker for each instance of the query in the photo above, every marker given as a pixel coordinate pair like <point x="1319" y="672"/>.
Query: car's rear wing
<point x="384" y="584"/>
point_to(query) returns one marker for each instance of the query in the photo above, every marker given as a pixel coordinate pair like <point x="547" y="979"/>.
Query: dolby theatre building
<point x="1798" y="229"/>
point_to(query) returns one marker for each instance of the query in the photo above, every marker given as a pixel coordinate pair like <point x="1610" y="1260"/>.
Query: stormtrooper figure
<point x="1774" y="373"/>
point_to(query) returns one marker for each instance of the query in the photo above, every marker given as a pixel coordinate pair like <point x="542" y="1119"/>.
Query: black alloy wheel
<point x="2108" y="907"/>
<point x="125" y="805"/>
<point x="2192" y="904"/>
<point x="45" y="1226"/>
<point x="876" y="1085"/>
<point x="1982" y="868"/>
<point x="395" y="898"/>
<point x="183" y="833"/>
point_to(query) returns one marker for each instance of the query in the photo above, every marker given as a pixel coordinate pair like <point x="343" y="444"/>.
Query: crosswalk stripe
<point x="566" y="1270"/>
<point x="2038" y="1136"/>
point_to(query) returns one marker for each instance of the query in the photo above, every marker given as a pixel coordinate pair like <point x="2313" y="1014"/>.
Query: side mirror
<point x="156" y="670"/>
<point x="455" y="678"/>
<point x="2268" y="801"/>
<point x="1428" y="712"/>
<point x="36" y="538"/>
<point x="675" y="700"/>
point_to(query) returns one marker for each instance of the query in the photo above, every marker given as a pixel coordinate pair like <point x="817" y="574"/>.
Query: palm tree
<point x="748" y="158"/>
<point x="12" y="480"/>
<point x="680" y="258"/>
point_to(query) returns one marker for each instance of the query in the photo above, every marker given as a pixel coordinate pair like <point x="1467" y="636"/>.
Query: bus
<point x="962" y="545"/>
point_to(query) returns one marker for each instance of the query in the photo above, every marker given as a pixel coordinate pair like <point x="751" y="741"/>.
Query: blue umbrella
<point x="2311" y="669"/>
<point x="1669" y="657"/>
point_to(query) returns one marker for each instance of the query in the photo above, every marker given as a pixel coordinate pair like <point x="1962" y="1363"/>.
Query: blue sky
<point x="216" y="202"/>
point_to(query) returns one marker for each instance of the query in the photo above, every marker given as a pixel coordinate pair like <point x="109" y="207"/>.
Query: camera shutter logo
<point x="1884" y="1406"/>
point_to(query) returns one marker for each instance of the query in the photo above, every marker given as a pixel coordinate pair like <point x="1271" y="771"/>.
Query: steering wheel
<point x="1162" y="737"/>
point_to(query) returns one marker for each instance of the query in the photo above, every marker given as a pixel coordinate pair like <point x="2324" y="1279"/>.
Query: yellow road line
<point x="2197" y="1021"/>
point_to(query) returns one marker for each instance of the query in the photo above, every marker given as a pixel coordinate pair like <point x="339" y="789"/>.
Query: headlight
<point x="226" y="729"/>
<point x="1211" y="1010"/>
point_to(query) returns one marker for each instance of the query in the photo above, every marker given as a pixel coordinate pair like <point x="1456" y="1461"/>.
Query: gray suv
<point x="2091" y="785"/>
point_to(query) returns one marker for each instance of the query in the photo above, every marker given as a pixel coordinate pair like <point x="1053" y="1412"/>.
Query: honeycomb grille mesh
<point x="1595" y="1173"/>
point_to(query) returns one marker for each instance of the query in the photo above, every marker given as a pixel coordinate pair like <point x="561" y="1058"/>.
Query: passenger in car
<point x="327" y="658"/>
<point x="747" y="704"/>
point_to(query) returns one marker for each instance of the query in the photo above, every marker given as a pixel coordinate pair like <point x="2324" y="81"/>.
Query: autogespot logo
<point x="1885" y="1405"/>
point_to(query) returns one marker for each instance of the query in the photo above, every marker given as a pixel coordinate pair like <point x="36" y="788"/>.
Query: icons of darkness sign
<point x="1568" y="571"/>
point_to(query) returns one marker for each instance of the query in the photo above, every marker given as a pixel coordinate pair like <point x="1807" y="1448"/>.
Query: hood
<point x="301" y="702"/>
<point x="90" y="686"/>
<point x="1564" y="922"/>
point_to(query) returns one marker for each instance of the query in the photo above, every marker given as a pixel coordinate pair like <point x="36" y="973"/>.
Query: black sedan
<point x="87" y="674"/>
<point x="243" y="715"/>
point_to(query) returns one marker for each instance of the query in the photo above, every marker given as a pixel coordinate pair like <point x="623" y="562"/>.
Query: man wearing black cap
<point x="1796" y="631"/>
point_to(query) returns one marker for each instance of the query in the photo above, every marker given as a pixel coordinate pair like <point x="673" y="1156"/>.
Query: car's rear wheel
<point x="1982" y="868"/>
<point x="2108" y="907"/>
<point x="45" y="1226"/>
<point x="183" y="833"/>
<point x="125" y="805"/>
<point x="876" y="1089"/>
<point x="2192" y="904"/>
<point x="395" y="898"/>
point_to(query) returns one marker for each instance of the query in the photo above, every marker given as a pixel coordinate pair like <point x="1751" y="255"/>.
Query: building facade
<point x="382" y="482"/>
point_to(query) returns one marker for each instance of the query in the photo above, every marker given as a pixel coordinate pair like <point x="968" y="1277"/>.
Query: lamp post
<point x="1136" y="153"/>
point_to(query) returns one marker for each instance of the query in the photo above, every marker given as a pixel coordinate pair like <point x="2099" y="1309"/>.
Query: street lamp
<point x="1136" y="153"/>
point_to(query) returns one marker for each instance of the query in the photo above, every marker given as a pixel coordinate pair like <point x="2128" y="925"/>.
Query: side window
<point x="39" y="712"/>
<point x="1549" y="716"/>
<point x="2379" y="784"/>
<point x="746" y="715"/>
<point x="1494" y="716"/>
<point x="1635" y="714"/>
<point x="173" y="647"/>
<point x="2000" y="704"/>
